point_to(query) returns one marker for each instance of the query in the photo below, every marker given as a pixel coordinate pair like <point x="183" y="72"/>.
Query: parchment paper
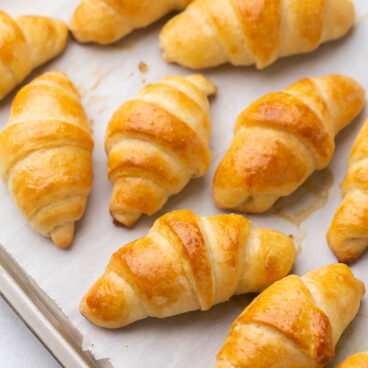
<point x="106" y="77"/>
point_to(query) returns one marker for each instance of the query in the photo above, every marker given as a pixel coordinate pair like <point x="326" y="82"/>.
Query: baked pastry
<point x="296" y="322"/>
<point x="25" y="43"/>
<point x="348" y="233"/>
<point x="355" y="361"/>
<point x="106" y="21"/>
<point x="185" y="263"/>
<point x="46" y="156"/>
<point x="282" y="138"/>
<point x="212" y="32"/>
<point x="156" y="143"/>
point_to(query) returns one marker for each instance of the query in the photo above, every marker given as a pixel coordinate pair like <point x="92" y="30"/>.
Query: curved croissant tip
<point x="346" y="259"/>
<point x="127" y="219"/>
<point x="362" y="287"/>
<point x="202" y="83"/>
<point x="346" y="250"/>
<point x="62" y="235"/>
<point x="344" y="268"/>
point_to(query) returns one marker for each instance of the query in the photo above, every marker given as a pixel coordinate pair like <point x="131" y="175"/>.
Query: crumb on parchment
<point x="143" y="67"/>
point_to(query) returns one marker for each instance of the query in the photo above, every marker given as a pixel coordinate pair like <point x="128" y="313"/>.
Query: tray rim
<point x="43" y="317"/>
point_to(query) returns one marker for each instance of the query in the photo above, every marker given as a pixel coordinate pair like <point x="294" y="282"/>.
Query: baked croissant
<point x="348" y="233"/>
<point x="212" y="32"/>
<point x="282" y="138"/>
<point x="356" y="361"/>
<point x="185" y="263"/>
<point x="106" y="21"/>
<point x="46" y="156"/>
<point x="296" y="322"/>
<point x="156" y="143"/>
<point x="25" y="43"/>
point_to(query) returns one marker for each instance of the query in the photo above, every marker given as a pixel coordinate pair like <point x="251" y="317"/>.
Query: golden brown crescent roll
<point x="156" y="143"/>
<point x="106" y="21"/>
<point x="25" y="43"/>
<point x="185" y="263"/>
<point x="243" y="32"/>
<point x="46" y="156"/>
<point x="296" y="322"/>
<point x="282" y="138"/>
<point x="355" y="361"/>
<point x="348" y="233"/>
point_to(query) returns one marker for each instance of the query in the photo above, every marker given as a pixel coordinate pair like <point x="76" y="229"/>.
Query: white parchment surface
<point x="106" y="77"/>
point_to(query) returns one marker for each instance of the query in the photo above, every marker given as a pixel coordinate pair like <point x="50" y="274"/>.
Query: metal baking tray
<point x="43" y="317"/>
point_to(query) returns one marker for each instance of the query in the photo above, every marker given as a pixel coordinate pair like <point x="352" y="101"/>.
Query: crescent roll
<point x="296" y="322"/>
<point x="185" y="263"/>
<point x="156" y="143"/>
<point x="348" y="233"/>
<point x="46" y="156"/>
<point x="355" y="361"/>
<point x="25" y="43"/>
<point x="106" y="21"/>
<point x="245" y="32"/>
<point x="282" y="138"/>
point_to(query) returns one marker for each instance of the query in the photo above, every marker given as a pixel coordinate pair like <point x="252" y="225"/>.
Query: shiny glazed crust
<point x="348" y="233"/>
<point x="46" y="156"/>
<point x="106" y="21"/>
<point x="185" y="263"/>
<point x="25" y="43"/>
<point x="156" y="143"/>
<point x="212" y="32"/>
<point x="294" y="320"/>
<point x="282" y="138"/>
<point x="359" y="360"/>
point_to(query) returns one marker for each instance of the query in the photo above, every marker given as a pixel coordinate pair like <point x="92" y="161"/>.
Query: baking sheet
<point x="107" y="76"/>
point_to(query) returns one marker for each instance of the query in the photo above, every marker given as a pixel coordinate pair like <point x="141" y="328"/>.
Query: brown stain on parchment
<point x="95" y="99"/>
<point x="122" y="46"/>
<point x="319" y="185"/>
<point x="102" y="109"/>
<point x="98" y="76"/>
<point x="130" y="75"/>
<point x="90" y="125"/>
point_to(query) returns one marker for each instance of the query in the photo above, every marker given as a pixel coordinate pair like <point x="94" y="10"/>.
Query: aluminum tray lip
<point x="43" y="317"/>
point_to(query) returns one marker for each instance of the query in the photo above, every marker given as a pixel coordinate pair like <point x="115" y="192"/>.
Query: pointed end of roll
<point x="346" y="98"/>
<point x="362" y="287"/>
<point x="185" y="40"/>
<point x="342" y="17"/>
<point x="111" y="302"/>
<point x="203" y="84"/>
<point x="278" y="254"/>
<point x="96" y="21"/>
<point x="344" y="269"/>
<point x="345" y="236"/>
<point x="127" y="219"/>
<point x="63" y="235"/>
<point x="46" y="36"/>
<point x="57" y="78"/>
<point x="347" y="250"/>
